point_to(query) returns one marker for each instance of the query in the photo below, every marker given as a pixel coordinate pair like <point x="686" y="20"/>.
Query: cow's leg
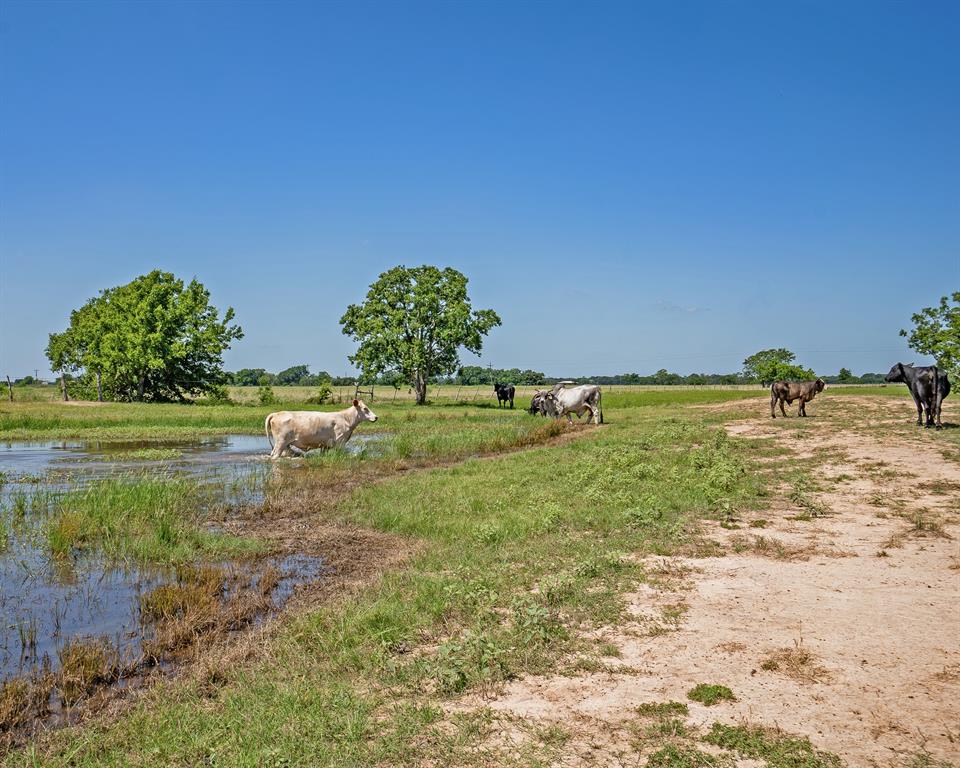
<point x="928" y="406"/>
<point x="773" y="404"/>
<point x="279" y="447"/>
<point x="782" y="409"/>
<point x="919" y="403"/>
<point x="802" y="408"/>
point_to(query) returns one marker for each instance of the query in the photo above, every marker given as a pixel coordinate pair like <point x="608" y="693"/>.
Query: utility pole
<point x="10" y="389"/>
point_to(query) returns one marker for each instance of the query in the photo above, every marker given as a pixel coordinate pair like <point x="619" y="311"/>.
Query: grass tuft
<point x="709" y="695"/>
<point x="662" y="709"/>
<point x="775" y="748"/>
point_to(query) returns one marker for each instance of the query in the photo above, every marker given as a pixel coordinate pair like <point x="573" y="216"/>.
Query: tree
<point x="770" y="365"/>
<point x="292" y="376"/>
<point x="151" y="339"/>
<point x="414" y="321"/>
<point x="936" y="332"/>
<point x="248" y="377"/>
<point x="845" y="376"/>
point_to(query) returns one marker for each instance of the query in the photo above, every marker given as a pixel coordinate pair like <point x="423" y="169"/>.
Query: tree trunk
<point x="420" y="384"/>
<point x="63" y="388"/>
<point x="141" y="388"/>
<point x="99" y="389"/>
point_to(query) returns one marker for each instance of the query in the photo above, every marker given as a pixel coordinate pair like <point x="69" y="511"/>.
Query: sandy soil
<point x="859" y="610"/>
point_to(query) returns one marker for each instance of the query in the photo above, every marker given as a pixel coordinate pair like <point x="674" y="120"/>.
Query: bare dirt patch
<point x="857" y="652"/>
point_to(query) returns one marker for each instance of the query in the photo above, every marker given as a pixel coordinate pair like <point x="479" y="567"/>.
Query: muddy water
<point x="45" y="602"/>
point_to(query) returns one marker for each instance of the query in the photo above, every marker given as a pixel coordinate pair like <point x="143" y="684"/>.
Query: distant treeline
<point x="476" y="375"/>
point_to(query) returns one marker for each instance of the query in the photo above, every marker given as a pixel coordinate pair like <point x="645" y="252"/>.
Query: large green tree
<point x="936" y="332"/>
<point x="154" y="338"/>
<point x="770" y="365"/>
<point x="414" y="321"/>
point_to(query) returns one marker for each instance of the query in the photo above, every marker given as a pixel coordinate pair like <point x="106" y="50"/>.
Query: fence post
<point x="10" y="389"/>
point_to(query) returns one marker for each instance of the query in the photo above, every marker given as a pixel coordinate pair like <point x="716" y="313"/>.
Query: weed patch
<point x="662" y="709"/>
<point x="709" y="695"/>
<point x="775" y="748"/>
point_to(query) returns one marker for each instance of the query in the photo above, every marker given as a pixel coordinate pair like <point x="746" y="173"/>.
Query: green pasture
<point x="519" y="554"/>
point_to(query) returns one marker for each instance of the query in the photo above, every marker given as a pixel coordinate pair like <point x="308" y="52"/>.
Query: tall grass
<point x="144" y="519"/>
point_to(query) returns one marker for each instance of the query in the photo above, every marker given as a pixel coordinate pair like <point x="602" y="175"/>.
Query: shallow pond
<point x="45" y="602"/>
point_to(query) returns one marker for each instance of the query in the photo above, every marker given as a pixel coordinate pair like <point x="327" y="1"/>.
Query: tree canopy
<point x="770" y="365"/>
<point x="936" y="332"/>
<point x="414" y="321"/>
<point x="292" y="375"/>
<point x="154" y="338"/>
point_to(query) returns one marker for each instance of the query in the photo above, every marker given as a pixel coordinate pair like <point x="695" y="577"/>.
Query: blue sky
<point x="631" y="186"/>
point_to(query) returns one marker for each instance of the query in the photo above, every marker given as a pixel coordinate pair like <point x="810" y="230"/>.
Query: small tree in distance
<point x="414" y="321"/>
<point x="770" y="365"/>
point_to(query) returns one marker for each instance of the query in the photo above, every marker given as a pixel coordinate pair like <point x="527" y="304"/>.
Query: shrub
<point x="265" y="395"/>
<point x="323" y="394"/>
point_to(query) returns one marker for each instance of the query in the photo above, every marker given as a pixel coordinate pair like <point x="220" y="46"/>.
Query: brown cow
<point x="788" y="391"/>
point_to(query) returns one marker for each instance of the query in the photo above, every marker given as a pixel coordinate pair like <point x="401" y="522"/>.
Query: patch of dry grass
<point x="797" y="663"/>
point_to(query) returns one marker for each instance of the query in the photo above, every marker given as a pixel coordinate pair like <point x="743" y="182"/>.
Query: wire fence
<point x="456" y="393"/>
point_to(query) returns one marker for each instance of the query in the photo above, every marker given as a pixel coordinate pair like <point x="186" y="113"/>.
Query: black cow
<point x="505" y="393"/>
<point x="928" y="385"/>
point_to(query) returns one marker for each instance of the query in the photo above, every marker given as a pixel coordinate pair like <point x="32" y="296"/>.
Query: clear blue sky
<point x="631" y="186"/>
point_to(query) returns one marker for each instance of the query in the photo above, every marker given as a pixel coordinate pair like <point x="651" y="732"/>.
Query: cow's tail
<point x="600" y="404"/>
<point x="266" y="426"/>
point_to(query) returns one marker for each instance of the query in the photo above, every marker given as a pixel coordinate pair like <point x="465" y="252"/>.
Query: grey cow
<point x="928" y="385"/>
<point x="563" y="401"/>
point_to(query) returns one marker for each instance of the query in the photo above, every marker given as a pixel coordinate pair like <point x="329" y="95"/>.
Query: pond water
<point x="46" y="601"/>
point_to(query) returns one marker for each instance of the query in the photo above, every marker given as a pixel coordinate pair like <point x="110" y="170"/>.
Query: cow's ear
<point x="356" y="403"/>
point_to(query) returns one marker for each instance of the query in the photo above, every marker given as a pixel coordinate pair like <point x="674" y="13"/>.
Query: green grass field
<point x="518" y="556"/>
<point x="40" y="419"/>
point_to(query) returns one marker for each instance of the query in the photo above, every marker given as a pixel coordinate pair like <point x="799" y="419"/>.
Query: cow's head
<point x="537" y="403"/>
<point x="365" y="413"/>
<point x="896" y="373"/>
<point x="549" y="406"/>
<point x="819" y="384"/>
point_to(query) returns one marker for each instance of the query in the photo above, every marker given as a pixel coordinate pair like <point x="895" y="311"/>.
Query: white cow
<point x="314" y="429"/>
<point x="564" y="401"/>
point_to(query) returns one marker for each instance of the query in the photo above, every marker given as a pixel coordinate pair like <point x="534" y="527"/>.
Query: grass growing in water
<point x="142" y="454"/>
<point x="145" y="519"/>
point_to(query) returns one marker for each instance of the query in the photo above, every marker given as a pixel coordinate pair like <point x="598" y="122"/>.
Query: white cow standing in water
<point x="305" y="430"/>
